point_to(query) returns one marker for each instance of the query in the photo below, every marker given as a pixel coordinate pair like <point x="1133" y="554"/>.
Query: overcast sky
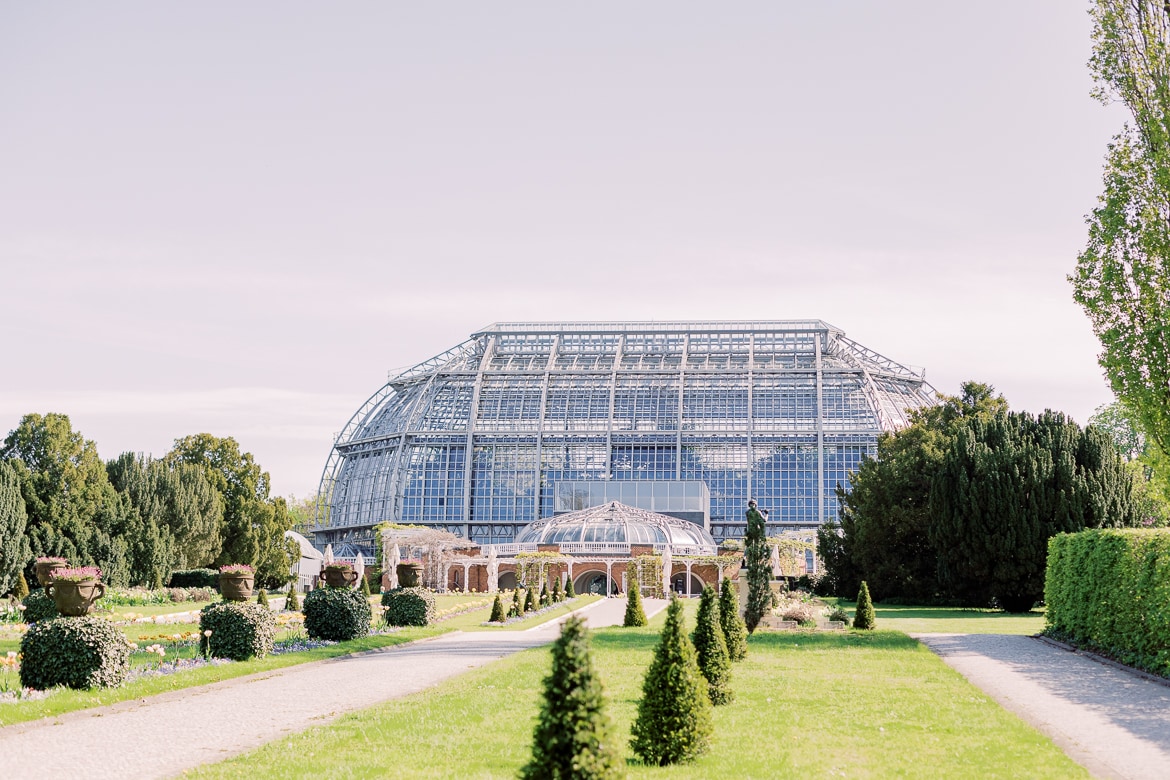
<point x="238" y="217"/>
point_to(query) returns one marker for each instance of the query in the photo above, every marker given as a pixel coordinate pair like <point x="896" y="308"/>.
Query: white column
<point x="689" y="592"/>
<point x="466" y="577"/>
<point x="608" y="578"/>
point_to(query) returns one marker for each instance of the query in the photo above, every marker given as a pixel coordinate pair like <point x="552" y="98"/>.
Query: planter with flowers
<point x="340" y="575"/>
<point x="46" y="566"/>
<point x="75" y="590"/>
<point x="235" y="581"/>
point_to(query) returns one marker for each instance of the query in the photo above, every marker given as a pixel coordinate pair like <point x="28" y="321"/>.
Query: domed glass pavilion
<point x="617" y="524"/>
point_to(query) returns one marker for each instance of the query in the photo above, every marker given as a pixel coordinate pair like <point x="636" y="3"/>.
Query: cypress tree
<point x="569" y="594"/>
<point x="517" y="608"/>
<point x="572" y="739"/>
<point x="711" y="649"/>
<point x="262" y="598"/>
<point x="365" y="586"/>
<point x="734" y="631"/>
<point x="864" y="616"/>
<point x="635" y="614"/>
<point x="497" y="615"/>
<point x="545" y="598"/>
<point x="674" y="716"/>
<point x="759" y="570"/>
<point x="14" y="549"/>
<point x="20" y="590"/>
<point x="291" y="603"/>
<point x="530" y="600"/>
<point x="557" y="593"/>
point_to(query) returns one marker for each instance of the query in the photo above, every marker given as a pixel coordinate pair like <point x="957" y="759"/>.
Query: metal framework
<point x="474" y="440"/>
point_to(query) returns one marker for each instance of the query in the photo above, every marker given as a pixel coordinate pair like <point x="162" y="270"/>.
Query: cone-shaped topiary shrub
<point x="569" y="593"/>
<point x="517" y="607"/>
<point x="38" y="606"/>
<point x="674" y="717"/>
<point x="572" y="737"/>
<point x="711" y="649"/>
<point x="292" y="603"/>
<point x="239" y="630"/>
<point x="545" y="598"/>
<point x="530" y="600"/>
<point x="734" y="631"/>
<point x="635" y="614"/>
<point x="77" y="652"/>
<point x="408" y="607"/>
<point x="864" y="616"/>
<point x="336" y="614"/>
<point x="262" y="598"/>
<point x="20" y="589"/>
<point x="557" y="593"/>
<point x="364" y="588"/>
<point x="497" y="615"/>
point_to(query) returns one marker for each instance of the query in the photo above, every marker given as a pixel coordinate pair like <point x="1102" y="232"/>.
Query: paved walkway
<point x="1110" y="721"/>
<point x="164" y="735"/>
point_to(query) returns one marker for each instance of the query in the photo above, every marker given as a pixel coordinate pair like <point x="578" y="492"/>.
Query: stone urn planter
<point x="235" y="582"/>
<point x="75" y="590"/>
<point x="46" y="567"/>
<point x="340" y="576"/>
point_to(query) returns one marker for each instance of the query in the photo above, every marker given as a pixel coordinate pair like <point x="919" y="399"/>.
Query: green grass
<point x="953" y="620"/>
<point x="858" y="704"/>
<point x="473" y="621"/>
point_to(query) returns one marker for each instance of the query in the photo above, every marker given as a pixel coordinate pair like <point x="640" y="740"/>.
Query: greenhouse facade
<point x="477" y="440"/>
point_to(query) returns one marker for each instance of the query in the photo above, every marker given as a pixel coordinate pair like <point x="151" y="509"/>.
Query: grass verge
<point x="952" y="620"/>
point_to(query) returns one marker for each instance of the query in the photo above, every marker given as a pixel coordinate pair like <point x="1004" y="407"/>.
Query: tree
<point x="711" y="649"/>
<point x="275" y="553"/>
<point x="674" y="716"/>
<point x="572" y="739"/>
<point x="517" y="609"/>
<point x="241" y="483"/>
<point x="1005" y="486"/>
<point x="864" y="616"/>
<point x="20" y="589"/>
<point x="1122" y="279"/>
<point x="759" y="570"/>
<point x="530" y="599"/>
<point x="734" y="631"/>
<point x="635" y="614"/>
<point x="14" y="549"/>
<point x="497" y="615"/>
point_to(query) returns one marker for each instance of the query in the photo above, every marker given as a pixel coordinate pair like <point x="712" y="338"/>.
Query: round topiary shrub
<point x="239" y="630"/>
<point x="336" y="614"/>
<point x="77" y="652"/>
<point x="408" y="607"/>
<point x="39" y="606"/>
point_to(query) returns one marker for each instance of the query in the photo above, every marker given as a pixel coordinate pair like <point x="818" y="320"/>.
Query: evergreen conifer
<point x="516" y="607"/>
<point x="365" y="586"/>
<point x="711" y="649"/>
<point x="545" y="598"/>
<point x="557" y="593"/>
<point x="530" y="600"/>
<point x="291" y="603"/>
<point x="497" y="615"/>
<point x="262" y="598"/>
<point x="569" y="594"/>
<point x="572" y="739"/>
<point x="734" y="631"/>
<point x="20" y="590"/>
<point x="864" y="616"/>
<point x="759" y="570"/>
<point x="674" y="716"/>
<point x="635" y="613"/>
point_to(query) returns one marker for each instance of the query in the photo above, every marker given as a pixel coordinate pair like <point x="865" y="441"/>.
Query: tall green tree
<point x="711" y="649"/>
<point x="241" y="483"/>
<point x="734" y="630"/>
<point x="276" y="554"/>
<point x="1122" y="279"/>
<point x="759" y="569"/>
<point x="14" y="549"/>
<point x="573" y="736"/>
<point x="1009" y="483"/>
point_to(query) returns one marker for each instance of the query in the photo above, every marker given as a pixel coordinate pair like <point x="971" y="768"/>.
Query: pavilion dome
<point x="617" y="523"/>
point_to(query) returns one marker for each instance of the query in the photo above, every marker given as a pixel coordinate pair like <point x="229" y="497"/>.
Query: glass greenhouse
<point x="476" y="440"/>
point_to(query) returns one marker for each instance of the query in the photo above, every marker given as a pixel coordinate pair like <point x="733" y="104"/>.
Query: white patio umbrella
<point x="667" y="564"/>
<point x="392" y="566"/>
<point x="359" y="566"/>
<point x="328" y="554"/>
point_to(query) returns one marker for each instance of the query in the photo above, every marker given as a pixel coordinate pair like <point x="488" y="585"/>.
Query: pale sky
<point x="237" y="218"/>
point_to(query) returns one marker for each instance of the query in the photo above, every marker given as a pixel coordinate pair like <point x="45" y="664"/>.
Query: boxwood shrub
<point x="38" y="606"/>
<point x="239" y="630"/>
<point x="337" y="614"/>
<point x="77" y="652"/>
<point x="408" y="607"/>
<point x="194" y="578"/>
<point x="1109" y="590"/>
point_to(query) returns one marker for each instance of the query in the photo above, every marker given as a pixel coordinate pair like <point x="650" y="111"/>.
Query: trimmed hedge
<point x="1109" y="590"/>
<point x="408" y="607"/>
<point x="239" y="630"/>
<point x="336" y="614"/>
<point x="39" y="606"/>
<point x="77" y="652"/>
<point x="194" y="578"/>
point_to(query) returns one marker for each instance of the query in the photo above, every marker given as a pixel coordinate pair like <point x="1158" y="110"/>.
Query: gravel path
<point x="1110" y="721"/>
<point x="166" y="734"/>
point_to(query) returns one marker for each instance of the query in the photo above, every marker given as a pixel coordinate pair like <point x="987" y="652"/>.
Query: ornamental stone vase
<point x="340" y="578"/>
<point x="237" y="586"/>
<point x="45" y="571"/>
<point x="74" y="599"/>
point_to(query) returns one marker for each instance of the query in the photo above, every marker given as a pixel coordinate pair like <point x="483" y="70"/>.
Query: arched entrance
<point x="678" y="584"/>
<point x="592" y="581"/>
<point x="507" y="580"/>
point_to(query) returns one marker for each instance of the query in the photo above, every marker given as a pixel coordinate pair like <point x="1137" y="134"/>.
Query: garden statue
<point x="493" y="570"/>
<point x="667" y="565"/>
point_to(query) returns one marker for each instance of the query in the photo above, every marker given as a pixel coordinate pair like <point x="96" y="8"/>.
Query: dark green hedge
<point x="77" y="652"/>
<point x="39" y="605"/>
<point x="239" y="630"/>
<point x="337" y="614"/>
<point x="409" y="607"/>
<point x="1109" y="590"/>
<point x="194" y="578"/>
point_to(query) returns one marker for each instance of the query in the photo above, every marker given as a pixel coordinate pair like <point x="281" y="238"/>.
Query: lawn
<point x="865" y="704"/>
<point x="473" y="621"/>
<point x="953" y="620"/>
